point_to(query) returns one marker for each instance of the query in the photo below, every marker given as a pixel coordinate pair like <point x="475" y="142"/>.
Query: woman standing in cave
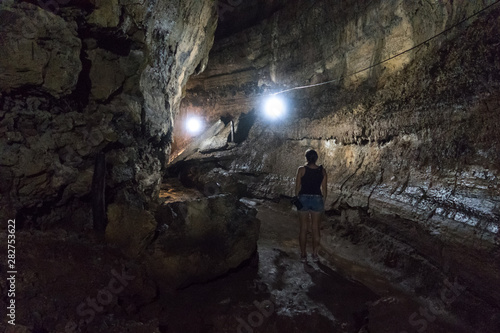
<point x="310" y="188"/>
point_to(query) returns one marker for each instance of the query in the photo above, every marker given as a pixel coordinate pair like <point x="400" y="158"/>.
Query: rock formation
<point x="193" y="236"/>
<point x="89" y="77"/>
<point x="409" y="143"/>
<point x="88" y="93"/>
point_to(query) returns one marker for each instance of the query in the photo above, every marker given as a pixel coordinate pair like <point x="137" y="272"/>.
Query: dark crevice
<point x="245" y="123"/>
<point x="110" y="40"/>
<point x="198" y="68"/>
<point x="385" y="140"/>
<point x="226" y="119"/>
<point x="175" y="169"/>
<point x="113" y="146"/>
<point x="81" y="93"/>
<point x="363" y="142"/>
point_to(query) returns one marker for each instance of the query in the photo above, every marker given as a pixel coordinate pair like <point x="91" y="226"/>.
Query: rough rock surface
<point x="38" y="48"/>
<point x="80" y="81"/>
<point x="192" y="237"/>
<point x="409" y="144"/>
<point x="89" y="77"/>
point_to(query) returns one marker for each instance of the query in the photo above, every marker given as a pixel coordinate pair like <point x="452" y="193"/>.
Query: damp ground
<point x="274" y="292"/>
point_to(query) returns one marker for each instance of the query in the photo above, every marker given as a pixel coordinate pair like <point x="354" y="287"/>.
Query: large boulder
<point x="190" y="240"/>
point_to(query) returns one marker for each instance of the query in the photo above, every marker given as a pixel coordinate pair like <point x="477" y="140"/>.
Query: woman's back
<point x="311" y="181"/>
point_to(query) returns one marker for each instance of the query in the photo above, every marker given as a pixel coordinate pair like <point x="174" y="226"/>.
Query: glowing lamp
<point x="194" y="125"/>
<point x="274" y="107"/>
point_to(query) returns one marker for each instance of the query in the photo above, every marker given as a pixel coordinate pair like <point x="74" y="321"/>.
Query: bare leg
<point x="303" y="220"/>
<point x="316" y="218"/>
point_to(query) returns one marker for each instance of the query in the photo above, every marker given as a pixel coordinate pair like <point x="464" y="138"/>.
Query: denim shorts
<point x="312" y="202"/>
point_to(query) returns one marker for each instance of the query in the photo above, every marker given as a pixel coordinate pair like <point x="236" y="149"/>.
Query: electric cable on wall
<point x="390" y="58"/>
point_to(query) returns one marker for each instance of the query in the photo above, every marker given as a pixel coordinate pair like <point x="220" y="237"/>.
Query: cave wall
<point x="435" y="103"/>
<point x="90" y="77"/>
<point x="411" y="143"/>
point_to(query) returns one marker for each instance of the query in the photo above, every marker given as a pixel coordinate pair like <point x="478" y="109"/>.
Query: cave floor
<point x="275" y="292"/>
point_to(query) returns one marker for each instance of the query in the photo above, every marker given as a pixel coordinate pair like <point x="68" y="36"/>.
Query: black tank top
<point x="311" y="181"/>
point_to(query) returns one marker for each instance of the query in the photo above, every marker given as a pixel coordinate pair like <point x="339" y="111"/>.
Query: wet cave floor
<point x="274" y="292"/>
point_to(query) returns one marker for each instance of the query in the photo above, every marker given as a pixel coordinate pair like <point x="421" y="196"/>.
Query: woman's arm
<point x="324" y="188"/>
<point x="298" y="180"/>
